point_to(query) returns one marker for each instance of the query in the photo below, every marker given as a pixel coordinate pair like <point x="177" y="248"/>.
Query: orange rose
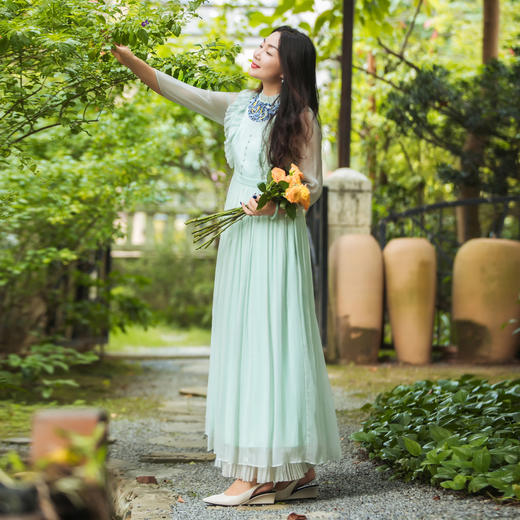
<point x="296" y="175"/>
<point x="298" y="193"/>
<point x="295" y="179"/>
<point x="305" y="197"/>
<point x="278" y="174"/>
<point x="295" y="169"/>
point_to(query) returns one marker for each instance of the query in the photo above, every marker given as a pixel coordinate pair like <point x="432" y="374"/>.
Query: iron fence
<point x="499" y="217"/>
<point x="317" y="229"/>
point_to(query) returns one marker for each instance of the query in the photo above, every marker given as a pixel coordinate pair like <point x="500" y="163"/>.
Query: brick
<point x="45" y="438"/>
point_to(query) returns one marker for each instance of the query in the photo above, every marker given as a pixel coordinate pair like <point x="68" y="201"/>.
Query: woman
<point x="269" y="415"/>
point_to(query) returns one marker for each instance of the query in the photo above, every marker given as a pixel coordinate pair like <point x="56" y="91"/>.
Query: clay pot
<point x="410" y="271"/>
<point x="485" y="288"/>
<point x="356" y="265"/>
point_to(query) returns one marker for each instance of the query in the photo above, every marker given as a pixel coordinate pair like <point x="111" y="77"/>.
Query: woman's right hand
<point x="122" y="53"/>
<point x="268" y="209"/>
<point x="139" y="67"/>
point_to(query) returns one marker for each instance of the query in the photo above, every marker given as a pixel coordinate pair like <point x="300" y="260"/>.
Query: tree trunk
<point x="344" y="125"/>
<point x="490" y="30"/>
<point x="468" y="225"/>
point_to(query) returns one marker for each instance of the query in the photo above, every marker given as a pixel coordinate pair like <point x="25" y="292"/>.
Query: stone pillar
<point x="138" y="237"/>
<point x="350" y="203"/>
<point x="349" y="212"/>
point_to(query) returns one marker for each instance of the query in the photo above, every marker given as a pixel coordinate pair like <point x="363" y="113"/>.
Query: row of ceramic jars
<point x="485" y="296"/>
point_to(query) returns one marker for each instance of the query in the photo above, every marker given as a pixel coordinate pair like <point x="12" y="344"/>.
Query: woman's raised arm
<point x="206" y="102"/>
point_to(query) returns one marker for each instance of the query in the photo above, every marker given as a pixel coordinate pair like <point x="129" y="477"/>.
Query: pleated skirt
<point x="270" y="412"/>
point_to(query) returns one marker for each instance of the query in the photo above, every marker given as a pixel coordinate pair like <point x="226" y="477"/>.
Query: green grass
<point x="159" y="336"/>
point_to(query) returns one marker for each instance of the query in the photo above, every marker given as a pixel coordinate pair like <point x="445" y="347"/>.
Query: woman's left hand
<point x="250" y="207"/>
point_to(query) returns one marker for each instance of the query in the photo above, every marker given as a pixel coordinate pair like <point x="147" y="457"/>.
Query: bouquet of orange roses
<point x="285" y="189"/>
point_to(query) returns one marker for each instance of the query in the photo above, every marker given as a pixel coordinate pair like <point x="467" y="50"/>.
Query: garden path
<point x="171" y="447"/>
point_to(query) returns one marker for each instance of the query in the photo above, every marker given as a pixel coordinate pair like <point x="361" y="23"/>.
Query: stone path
<point x="160" y="353"/>
<point x="171" y="447"/>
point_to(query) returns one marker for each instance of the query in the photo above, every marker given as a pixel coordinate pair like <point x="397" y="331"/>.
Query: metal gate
<point x="317" y="229"/>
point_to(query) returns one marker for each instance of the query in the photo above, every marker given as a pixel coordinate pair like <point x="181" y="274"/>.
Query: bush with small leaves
<point x="33" y="372"/>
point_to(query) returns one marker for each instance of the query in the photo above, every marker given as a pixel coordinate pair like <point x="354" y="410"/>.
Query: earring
<point x="282" y="80"/>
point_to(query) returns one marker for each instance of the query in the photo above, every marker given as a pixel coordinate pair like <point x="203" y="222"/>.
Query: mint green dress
<point x="270" y="412"/>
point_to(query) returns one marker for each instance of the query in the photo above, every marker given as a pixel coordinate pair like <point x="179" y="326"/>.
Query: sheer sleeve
<point x="311" y="163"/>
<point x="206" y="102"/>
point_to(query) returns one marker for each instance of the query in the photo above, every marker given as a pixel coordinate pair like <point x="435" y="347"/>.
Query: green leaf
<point x="262" y="201"/>
<point x="459" y="482"/>
<point x="143" y="35"/>
<point x="360" y="437"/>
<point x="306" y="27"/>
<point x="303" y="6"/>
<point x="463" y="452"/>
<point x="460" y="396"/>
<point x="511" y="458"/>
<point x="257" y="17"/>
<point x="439" y="433"/>
<point x="498" y="483"/>
<point x="322" y="18"/>
<point x="445" y="473"/>
<point x="482" y="460"/>
<point x="413" y="447"/>
<point x="46" y="392"/>
<point x="477" y="483"/>
<point x="291" y="210"/>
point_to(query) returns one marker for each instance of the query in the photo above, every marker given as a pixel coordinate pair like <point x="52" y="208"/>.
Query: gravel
<point x="349" y="489"/>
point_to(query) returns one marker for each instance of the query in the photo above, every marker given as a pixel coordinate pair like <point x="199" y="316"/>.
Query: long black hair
<point x="288" y="131"/>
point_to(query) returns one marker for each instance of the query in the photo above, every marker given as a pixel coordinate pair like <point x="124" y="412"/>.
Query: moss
<point x="351" y="416"/>
<point x="15" y="418"/>
<point x="369" y="380"/>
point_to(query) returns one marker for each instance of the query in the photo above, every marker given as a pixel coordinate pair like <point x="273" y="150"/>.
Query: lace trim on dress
<point x="289" y="471"/>
<point x="232" y="121"/>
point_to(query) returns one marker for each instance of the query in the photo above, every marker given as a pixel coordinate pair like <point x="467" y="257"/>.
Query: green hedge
<point x="178" y="289"/>
<point x="25" y="375"/>
<point x="463" y="434"/>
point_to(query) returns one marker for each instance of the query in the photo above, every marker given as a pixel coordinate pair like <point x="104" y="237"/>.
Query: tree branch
<point x="379" y="77"/>
<point x="407" y="157"/>
<point x="397" y="55"/>
<point x="410" y="29"/>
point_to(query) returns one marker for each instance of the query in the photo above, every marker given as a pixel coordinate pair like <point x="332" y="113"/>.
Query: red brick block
<point x="45" y="437"/>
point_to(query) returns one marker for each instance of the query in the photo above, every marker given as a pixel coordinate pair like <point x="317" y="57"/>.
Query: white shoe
<point x="266" y="497"/>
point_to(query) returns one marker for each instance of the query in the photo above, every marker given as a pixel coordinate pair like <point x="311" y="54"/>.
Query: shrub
<point x="31" y="372"/>
<point x="179" y="288"/>
<point x="463" y="434"/>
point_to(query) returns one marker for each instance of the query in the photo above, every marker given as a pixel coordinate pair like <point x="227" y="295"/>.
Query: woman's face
<point x="266" y="60"/>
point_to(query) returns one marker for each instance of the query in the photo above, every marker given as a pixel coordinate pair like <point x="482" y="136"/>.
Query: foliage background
<point x="83" y="140"/>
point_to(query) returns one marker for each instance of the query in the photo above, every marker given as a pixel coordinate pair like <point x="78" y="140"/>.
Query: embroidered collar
<point x="262" y="107"/>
